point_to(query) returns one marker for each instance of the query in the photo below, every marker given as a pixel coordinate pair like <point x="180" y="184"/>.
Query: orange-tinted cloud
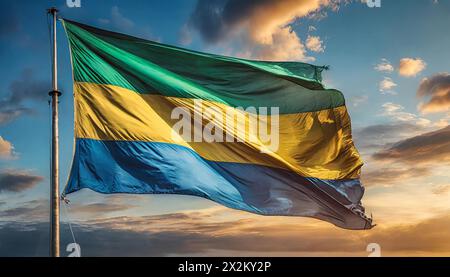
<point x="387" y="176"/>
<point x="290" y="236"/>
<point x="217" y="231"/>
<point x="6" y="149"/>
<point x="200" y="234"/>
<point x="410" y="67"/>
<point x="437" y="87"/>
<point x="315" y="44"/>
<point x="261" y="26"/>
<point x="284" y="45"/>
<point x="441" y="189"/>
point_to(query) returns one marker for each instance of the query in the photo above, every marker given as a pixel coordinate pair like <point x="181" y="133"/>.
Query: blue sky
<point x="407" y="36"/>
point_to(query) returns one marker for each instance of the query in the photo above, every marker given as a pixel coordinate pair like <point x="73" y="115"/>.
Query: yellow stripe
<point x="313" y="144"/>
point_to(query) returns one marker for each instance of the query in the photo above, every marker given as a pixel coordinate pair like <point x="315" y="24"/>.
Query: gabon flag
<point x="263" y="137"/>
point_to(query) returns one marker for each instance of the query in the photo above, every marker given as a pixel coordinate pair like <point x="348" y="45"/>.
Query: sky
<point x="392" y="63"/>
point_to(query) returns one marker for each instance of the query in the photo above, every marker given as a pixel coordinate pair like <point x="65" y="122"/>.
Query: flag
<point x="131" y="95"/>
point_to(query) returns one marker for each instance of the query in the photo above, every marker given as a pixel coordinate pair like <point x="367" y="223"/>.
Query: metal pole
<point x="54" y="190"/>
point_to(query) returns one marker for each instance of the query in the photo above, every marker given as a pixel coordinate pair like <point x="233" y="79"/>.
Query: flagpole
<point x="54" y="190"/>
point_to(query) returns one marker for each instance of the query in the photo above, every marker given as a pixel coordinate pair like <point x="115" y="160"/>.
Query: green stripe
<point x="104" y="57"/>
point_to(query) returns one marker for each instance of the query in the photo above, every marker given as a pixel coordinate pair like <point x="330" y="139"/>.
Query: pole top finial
<point x="52" y="10"/>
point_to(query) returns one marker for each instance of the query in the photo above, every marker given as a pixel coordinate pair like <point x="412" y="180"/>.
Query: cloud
<point x="437" y="87"/>
<point x="410" y="67"/>
<point x="388" y="176"/>
<point x="37" y="210"/>
<point x="387" y="85"/>
<point x="189" y="234"/>
<point x="384" y="66"/>
<point x="261" y="28"/>
<point x="402" y="152"/>
<point x="358" y="100"/>
<point x="315" y="44"/>
<point x="379" y="135"/>
<point x="98" y="209"/>
<point x="117" y="20"/>
<point x="6" y="149"/>
<point x="30" y="211"/>
<point x="429" y="237"/>
<point x="397" y="113"/>
<point x="121" y="23"/>
<point x="26" y="88"/>
<point x="386" y="132"/>
<point x="441" y="189"/>
<point x="428" y="148"/>
<point x="185" y="36"/>
<point x="285" y="45"/>
<point x="9" y="114"/>
<point x="18" y="180"/>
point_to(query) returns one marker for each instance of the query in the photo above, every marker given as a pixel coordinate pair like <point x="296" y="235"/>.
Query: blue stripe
<point x="158" y="168"/>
